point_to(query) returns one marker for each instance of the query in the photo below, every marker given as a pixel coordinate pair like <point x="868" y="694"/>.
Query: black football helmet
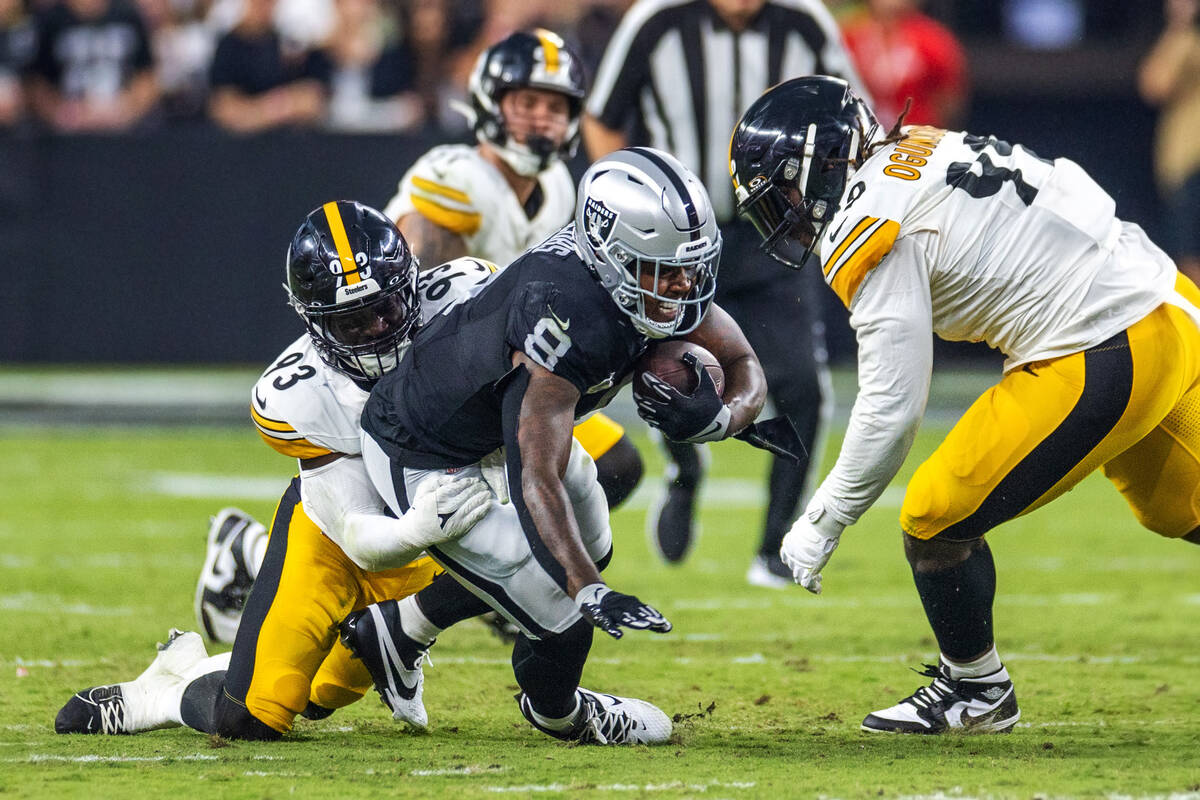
<point x="790" y="157"/>
<point x="537" y="59"/>
<point x="353" y="280"/>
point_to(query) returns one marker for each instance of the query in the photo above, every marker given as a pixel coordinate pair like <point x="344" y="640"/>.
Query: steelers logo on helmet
<point x="353" y="280"/>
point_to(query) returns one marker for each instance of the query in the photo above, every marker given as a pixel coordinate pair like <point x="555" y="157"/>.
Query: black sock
<point x="199" y="704"/>
<point x="686" y="458"/>
<point x="445" y="602"/>
<point x="958" y="603"/>
<point x="548" y="670"/>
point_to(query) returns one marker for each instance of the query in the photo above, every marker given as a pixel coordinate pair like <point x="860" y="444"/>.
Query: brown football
<point x="665" y="359"/>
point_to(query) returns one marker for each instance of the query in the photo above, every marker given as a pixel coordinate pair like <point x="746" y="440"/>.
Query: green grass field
<point x="102" y="535"/>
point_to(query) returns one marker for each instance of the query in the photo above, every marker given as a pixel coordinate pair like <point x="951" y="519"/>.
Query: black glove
<point x="610" y="611"/>
<point x="698" y="417"/>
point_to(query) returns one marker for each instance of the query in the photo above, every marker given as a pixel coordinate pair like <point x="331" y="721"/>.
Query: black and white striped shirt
<point x="676" y="72"/>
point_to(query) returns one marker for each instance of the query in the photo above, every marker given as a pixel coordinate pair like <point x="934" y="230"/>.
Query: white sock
<point x="415" y="624"/>
<point x="986" y="664"/>
<point x="556" y="723"/>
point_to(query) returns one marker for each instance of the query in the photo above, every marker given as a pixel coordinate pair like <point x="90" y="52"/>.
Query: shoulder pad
<point x="445" y="188"/>
<point x="855" y="248"/>
<point x="303" y="409"/>
<point x="447" y="285"/>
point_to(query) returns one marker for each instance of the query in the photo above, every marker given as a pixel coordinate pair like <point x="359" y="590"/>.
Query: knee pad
<point x="619" y="471"/>
<point x="234" y="721"/>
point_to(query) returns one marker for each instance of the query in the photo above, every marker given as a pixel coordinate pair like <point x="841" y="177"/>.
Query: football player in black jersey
<point x="551" y="339"/>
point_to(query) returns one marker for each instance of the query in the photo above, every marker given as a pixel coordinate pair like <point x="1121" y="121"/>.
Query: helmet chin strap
<point x="531" y="159"/>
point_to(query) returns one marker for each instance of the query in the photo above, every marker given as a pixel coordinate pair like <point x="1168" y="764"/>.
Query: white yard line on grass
<point x="38" y="758"/>
<point x="623" y="787"/>
<point x="52" y="604"/>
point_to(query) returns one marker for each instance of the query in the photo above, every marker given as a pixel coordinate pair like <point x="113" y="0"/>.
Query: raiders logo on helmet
<point x="600" y="221"/>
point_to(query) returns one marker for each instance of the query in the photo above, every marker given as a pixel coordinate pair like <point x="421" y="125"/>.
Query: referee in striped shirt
<point x="677" y="75"/>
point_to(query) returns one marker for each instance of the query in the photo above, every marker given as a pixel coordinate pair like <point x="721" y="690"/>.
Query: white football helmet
<point x="639" y="213"/>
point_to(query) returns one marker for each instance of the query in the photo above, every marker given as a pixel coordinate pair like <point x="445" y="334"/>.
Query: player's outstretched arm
<point x="745" y="383"/>
<point x="539" y="417"/>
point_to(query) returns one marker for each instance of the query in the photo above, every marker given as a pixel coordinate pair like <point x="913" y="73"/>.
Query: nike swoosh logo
<point x="258" y="398"/>
<point x="561" y="324"/>
<point x="833" y="234"/>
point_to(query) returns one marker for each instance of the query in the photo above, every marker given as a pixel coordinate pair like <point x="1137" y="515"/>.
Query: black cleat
<point x="228" y="574"/>
<point x="967" y="705"/>
<point x="100" y="709"/>
<point x="393" y="659"/>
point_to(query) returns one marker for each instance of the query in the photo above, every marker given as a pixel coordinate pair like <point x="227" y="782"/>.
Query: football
<point x="665" y="359"/>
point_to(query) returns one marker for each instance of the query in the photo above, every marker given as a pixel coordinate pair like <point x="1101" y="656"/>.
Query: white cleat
<point x="608" y="719"/>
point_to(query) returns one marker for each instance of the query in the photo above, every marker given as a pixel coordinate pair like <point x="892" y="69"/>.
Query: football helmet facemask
<point x="644" y="221"/>
<point x="791" y="156"/>
<point x="537" y="59"/>
<point x="353" y="280"/>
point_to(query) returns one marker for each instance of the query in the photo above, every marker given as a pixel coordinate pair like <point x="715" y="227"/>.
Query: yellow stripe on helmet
<point x="550" y="46"/>
<point x="342" y="243"/>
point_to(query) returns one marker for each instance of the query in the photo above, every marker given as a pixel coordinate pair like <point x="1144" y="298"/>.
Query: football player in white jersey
<point x="354" y="282"/>
<point x="923" y="231"/>
<point x="492" y="200"/>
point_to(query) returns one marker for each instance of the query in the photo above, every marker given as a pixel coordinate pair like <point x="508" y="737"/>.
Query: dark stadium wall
<point x="169" y="247"/>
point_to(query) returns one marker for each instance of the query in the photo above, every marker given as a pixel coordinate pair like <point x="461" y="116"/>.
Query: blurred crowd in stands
<point x="72" y="66"/>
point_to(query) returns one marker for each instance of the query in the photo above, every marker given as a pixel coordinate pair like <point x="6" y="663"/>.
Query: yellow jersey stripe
<point x="267" y="423"/>
<point x="550" y="48"/>
<point x="855" y="232"/>
<point x="342" y="243"/>
<point x="453" y="220"/>
<point x="864" y="259"/>
<point x="295" y="448"/>
<point x="429" y="186"/>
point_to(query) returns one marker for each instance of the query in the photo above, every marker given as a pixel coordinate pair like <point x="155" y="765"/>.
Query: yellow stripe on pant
<point x="1041" y="429"/>
<point x="598" y="434"/>
<point x="305" y="586"/>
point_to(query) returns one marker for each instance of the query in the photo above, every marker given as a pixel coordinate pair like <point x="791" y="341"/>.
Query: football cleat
<point x="137" y="705"/>
<point x="230" y="565"/>
<point x="376" y="636"/>
<point x="608" y="719"/>
<point x="969" y="705"/>
<point x="770" y="572"/>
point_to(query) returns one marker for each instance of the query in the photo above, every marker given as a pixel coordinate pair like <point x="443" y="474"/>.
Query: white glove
<point x="808" y="545"/>
<point x="494" y="472"/>
<point x="446" y="507"/>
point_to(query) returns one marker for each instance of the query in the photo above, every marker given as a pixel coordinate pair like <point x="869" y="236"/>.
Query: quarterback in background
<point x="923" y="231"/>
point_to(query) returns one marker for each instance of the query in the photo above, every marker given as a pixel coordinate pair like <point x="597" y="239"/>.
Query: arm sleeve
<point x="340" y="499"/>
<point x="892" y="316"/>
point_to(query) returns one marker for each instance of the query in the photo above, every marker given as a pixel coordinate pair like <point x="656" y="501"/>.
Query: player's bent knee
<point x="1178" y="525"/>
<point x="619" y="471"/>
<point x="234" y="721"/>
<point x="937" y="554"/>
